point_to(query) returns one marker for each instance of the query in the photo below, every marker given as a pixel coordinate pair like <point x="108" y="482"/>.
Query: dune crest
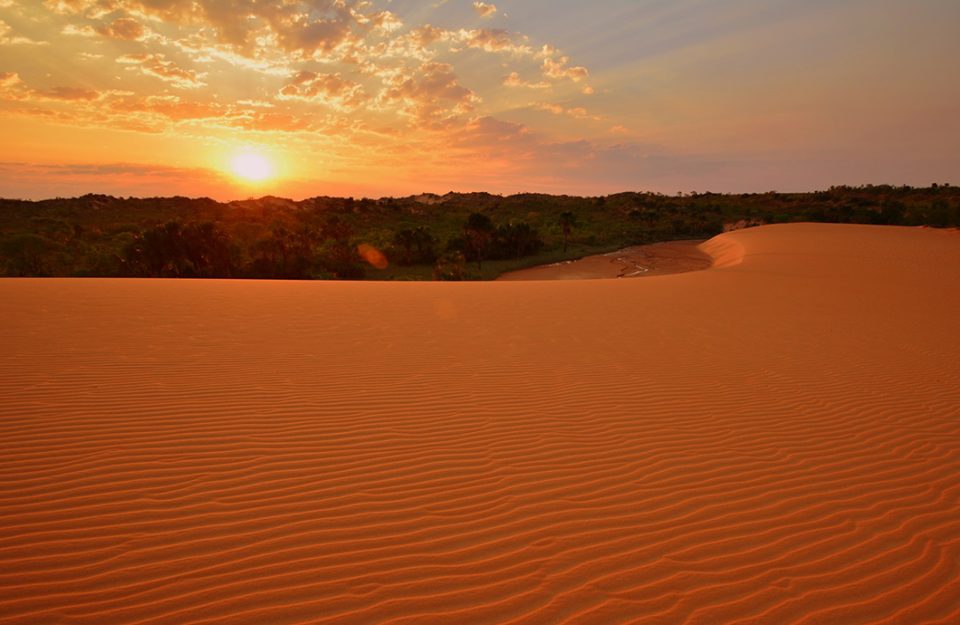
<point x="773" y="440"/>
<point x="725" y="250"/>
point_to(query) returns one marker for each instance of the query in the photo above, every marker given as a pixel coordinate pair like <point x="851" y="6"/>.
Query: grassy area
<point x="491" y="269"/>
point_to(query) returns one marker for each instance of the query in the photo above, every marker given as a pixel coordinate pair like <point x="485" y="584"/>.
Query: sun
<point x="251" y="166"/>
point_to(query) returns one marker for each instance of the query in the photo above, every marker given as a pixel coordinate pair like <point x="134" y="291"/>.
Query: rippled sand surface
<point x="772" y="440"/>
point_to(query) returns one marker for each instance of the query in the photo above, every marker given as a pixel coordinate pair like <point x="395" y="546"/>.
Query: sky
<point x="367" y="98"/>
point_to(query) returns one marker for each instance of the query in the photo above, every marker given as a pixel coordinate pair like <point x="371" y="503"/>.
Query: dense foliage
<point x="454" y="236"/>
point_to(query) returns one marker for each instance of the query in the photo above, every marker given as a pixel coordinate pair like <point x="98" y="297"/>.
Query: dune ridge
<point x="772" y="440"/>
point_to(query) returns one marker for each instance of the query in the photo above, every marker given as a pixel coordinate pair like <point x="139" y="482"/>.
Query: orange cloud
<point x="72" y="30"/>
<point x="269" y="121"/>
<point x="513" y="80"/>
<point x="331" y="89"/>
<point x="125" y="28"/>
<point x="170" y="107"/>
<point x="158" y="66"/>
<point x="7" y="38"/>
<point x="427" y="34"/>
<point x="432" y="95"/>
<point x="485" y="10"/>
<point x="577" y="112"/>
<point x="14" y="89"/>
<point x="68" y="93"/>
<point x="559" y="69"/>
<point x="381" y="21"/>
<point x="10" y="81"/>
<point x="492" y="40"/>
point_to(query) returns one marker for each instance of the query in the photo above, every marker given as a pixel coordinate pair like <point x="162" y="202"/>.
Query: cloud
<point x="7" y="38"/>
<point x="492" y="40"/>
<point x="72" y="30"/>
<point x="125" y="28"/>
<point x="427" y="34"/>
<point x="511" y="157"/>
<point x="308" y="37"/>
<point x="10" y="80"/>
<point x="432" y="95"/>
<point x="65" y="7"/>
<point x="68" y="94"/>
<point x="559" y="69"/>
<point x="381" y="21"/>
<point x="170" y="107"/>
<point x="125" y="110"/>
<point x="485" y="10"/>
<point x="269" y="121"/>
<point x="330" y="89"/>
<point x="513" y="80"/>
<point x="577" y="112"/>
<point x="158" y="66"/>
<point x="285" y="32"/>
<point x="303" y="29"/>
<point x="14" y="89"/>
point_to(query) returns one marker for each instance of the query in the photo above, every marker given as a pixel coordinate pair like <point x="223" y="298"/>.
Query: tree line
<point x="454" y="236"/>
<point x="204" y="250"/>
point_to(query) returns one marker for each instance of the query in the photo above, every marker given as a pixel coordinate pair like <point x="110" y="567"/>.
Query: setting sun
<point x="251" y="167"/>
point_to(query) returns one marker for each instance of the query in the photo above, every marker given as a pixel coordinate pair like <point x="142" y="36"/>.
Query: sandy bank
<point x="638" y="261"/>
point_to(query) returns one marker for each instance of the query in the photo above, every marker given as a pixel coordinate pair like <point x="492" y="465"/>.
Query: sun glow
<point x="251" y="166"/>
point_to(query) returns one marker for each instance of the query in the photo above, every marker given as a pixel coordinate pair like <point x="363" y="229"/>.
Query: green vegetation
<point x="450" y="237"/>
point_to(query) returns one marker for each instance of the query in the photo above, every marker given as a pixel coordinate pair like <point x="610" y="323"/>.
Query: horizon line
<point x="692" y="193"/>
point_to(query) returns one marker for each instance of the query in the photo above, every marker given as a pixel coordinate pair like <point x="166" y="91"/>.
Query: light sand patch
<point x="655" y="259"/>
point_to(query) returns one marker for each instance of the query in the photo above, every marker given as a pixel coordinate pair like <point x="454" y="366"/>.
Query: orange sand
<point x="639" y="261"/>
<point x="773" y="440"/>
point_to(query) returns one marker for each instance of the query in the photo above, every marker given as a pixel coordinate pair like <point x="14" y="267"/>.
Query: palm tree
<point x="425" y="244"/>
<point x="478" y="231"/>
<point x="568" y="221"/>
<point x="519" y="239"/>
<point x="406" y="240"/>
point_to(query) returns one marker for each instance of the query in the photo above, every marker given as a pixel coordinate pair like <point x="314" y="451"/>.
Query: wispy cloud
<point x="158" y="66"/>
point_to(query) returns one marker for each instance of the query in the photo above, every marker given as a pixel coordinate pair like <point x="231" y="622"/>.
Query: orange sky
<point x="370" y="98"/>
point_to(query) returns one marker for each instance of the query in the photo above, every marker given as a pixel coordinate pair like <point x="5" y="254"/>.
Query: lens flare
<point x="372" y="255"/>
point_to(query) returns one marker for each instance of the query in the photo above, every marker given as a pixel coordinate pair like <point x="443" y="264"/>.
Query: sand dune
<point x="773" y="440"/>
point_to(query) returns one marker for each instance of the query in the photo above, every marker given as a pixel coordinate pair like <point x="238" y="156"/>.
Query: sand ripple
<point x="774" y="440"/>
